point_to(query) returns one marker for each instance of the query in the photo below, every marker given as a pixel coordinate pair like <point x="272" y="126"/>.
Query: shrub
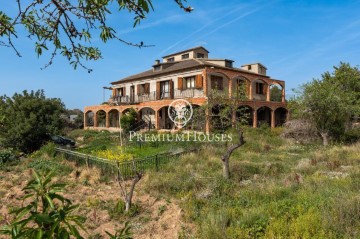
<point x="6" y="156"/>
<point x="48" y="215"/>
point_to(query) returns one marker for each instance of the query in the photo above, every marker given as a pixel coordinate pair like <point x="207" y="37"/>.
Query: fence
<point x="127" y="168"/>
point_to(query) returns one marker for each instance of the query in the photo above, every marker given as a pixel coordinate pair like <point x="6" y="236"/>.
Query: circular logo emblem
<point x="180" y="112"/>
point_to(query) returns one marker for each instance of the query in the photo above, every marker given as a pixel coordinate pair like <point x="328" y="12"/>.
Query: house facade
<point x="193" y="76"/>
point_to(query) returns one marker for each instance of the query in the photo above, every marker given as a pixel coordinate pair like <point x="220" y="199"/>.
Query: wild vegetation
<point x="277" y="188"/>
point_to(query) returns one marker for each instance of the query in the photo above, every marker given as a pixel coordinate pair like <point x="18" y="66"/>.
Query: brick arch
<point x="281" y="115"/>
<point x="219" y="73"/>
<point x="264" y="115"/>
<point x="89" y="121"/>
<point x="100" y="120"/>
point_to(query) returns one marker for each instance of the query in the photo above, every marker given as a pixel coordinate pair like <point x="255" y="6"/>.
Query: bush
<point x="6" y="156"/>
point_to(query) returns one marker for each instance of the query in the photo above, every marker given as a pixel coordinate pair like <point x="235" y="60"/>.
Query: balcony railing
<point x="152" y="96"/>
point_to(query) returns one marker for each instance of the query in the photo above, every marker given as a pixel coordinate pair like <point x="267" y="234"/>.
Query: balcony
<point x="152" y="96"/>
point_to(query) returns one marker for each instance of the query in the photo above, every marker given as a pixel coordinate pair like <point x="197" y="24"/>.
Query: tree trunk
<point x="128" y="197"/>
<point x="325" y="138"/>
<point x="225" y="158"/>
<point x="226" y="169"/>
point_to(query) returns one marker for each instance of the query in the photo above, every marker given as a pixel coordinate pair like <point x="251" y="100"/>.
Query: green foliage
<point x="30" y="118"/>
<point x="331" y="102"/>
<point x="124" y="233"/>
<point x="6" y="155"/>
<point x="278" y="189"/>
<point x="67" y="27"/>
<point x="48" y="215"/>
<point x="49" y="165"/>
<point x="275" y="93"/>
<point x="128" y="120"/>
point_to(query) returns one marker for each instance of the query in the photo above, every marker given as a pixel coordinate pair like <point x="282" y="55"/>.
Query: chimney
<point x="157" y="62"/>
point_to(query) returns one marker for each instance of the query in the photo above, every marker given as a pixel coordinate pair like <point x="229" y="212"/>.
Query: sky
<point x="296" y="40"/>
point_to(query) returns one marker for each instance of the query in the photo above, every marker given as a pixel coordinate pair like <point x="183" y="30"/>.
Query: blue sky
<point x="296" y="40"/>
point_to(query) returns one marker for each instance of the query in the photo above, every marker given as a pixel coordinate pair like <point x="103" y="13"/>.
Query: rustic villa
<point x="190" y="75"/>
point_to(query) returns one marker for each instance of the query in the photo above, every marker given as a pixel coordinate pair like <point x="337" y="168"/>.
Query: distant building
<point x="190" y="75"/>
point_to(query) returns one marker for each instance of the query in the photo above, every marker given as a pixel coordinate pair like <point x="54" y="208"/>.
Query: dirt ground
<point x="156" y="217"/>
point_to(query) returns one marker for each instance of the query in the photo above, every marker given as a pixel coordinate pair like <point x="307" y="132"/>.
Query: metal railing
<point x="152" y="96"/>
<point x="127" y="168"/>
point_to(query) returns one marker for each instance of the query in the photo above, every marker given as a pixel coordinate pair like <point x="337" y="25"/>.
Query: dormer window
<point x="200" y="55"/>
<point x="185" y="56"/>
<point x="157" y="68"/>
<point x="228" y="64"/>
<point x="171" y="59"/>
<point x="249" y="67"/>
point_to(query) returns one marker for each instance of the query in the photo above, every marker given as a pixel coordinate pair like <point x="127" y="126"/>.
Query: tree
<point x="128" y="120"/>
<point x="29" y="119"/>
<point x="275" y="93"/>
<point x="330" y="103"/>
<point x="78" y="21"/>
<point x="219" y="110"/>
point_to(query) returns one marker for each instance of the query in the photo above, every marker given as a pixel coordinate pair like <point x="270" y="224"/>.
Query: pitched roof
<point x="178" y="66"/>
<point x="191" y="49"/>
<point x="181" y="65"/>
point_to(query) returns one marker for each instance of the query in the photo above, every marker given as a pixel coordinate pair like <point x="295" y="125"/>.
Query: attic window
<point x="157" y="68"/>
<point x="171" y="59"/>
<point x="200" y="55"/>
<point x="249" y="67"/>
<point x="228" y="64"/>
<point x="185" y="56"/>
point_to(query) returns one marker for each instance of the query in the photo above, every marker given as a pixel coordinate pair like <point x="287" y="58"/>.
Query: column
<point x="85" y="123"/>
<point x="272" y="118"/>
<point x="95" y="119"/>
<point x="107" y="120"/>
<point x="255" y="118"/>
<point x="157" y="120"/>
<point x="283" y="95"/>
<point x="268" y="92"/>
<point x="251" y="91"/>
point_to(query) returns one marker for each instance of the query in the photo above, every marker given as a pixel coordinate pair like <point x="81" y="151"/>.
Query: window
<point x="249" y="67"/>
<point x="164" y="89"/>
<point x="144" y="89"/>
<point x="171" y="59"/>
<point x="185" y="56"/>
<point x="200" y="55"/>
<point x="190" y="82"/>
<point x="217" y="83"/>
<point x="157" y="68"/>
<point x="259" y="88"/>
<point x="228" y="64"/>
<point x="121" y="91"/>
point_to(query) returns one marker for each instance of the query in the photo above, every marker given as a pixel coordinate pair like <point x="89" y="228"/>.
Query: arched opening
<point x="218" y="84"/>
<point x="101" y="118"/>
<point x="198" y="119"/>
<point x="264" y="116"/>
<point x="280" y="116"/>
<point x="276" y="92"/>
<point x="220" y="117"/>
<point x="259" y="88"/>
<point x="147" y="118"/>
<point x="241" y="88"/>
<point x="114" y="118"/>
<point x="89" y="119"/>
<point x="244" y="115"/>
<point x="164" y="121"/>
